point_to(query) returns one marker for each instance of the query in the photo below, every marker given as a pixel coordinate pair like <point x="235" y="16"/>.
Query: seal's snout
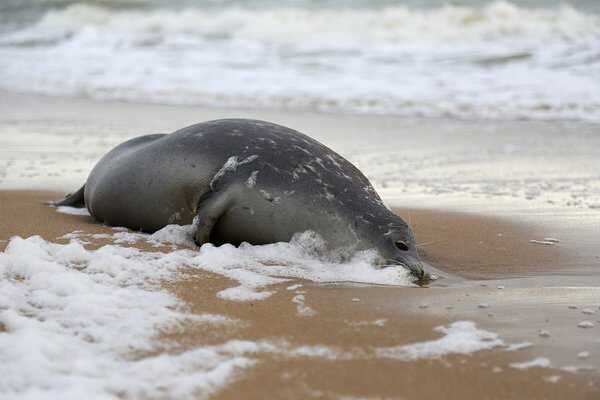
<point x="417" y="270"/>
<point x="415" y="267"/>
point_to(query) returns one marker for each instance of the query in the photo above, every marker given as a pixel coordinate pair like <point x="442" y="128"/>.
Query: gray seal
<point x="246" y="181"/>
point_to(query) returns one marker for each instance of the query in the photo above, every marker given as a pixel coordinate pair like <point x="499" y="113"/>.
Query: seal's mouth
<point x="423" y="279"/>
<point x="415" y="268"/>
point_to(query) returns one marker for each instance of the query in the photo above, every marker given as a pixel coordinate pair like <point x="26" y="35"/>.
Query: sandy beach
<point x="346" y="339"/>
<point x="354" y="319"/>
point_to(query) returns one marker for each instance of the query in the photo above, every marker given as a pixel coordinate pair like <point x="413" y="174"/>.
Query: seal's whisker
<point x="428" y="243"/>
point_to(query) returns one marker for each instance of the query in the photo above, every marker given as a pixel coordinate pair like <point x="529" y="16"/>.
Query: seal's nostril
<point x="401" y="245"/>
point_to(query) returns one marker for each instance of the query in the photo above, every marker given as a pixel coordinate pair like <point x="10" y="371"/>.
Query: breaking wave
<point x="493" y="61"/>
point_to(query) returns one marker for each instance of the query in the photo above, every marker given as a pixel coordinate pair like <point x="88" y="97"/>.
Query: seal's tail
<point x="72" y="200"/>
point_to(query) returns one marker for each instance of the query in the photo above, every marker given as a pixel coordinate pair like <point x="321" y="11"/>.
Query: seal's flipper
<point x="210" y="209"/>
<point x="72" y="200"/>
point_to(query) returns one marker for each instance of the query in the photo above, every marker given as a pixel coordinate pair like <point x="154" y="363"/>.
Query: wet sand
<point x="484" y="247"/>
<point x="490" y="272"/>
<point x="531" y="298"/>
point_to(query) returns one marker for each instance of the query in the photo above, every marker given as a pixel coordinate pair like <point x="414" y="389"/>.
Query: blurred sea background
<point x="465" y="59"/>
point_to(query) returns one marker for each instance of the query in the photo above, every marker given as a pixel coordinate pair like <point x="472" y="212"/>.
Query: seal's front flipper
<point x="72" y="200"/>
<point x="210" y="208"/>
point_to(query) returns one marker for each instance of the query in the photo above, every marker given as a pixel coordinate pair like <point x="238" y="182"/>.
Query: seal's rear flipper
<point x="72" y="200"/>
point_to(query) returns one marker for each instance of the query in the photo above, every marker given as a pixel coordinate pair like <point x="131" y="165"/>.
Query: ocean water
<point x="536" y="59"/>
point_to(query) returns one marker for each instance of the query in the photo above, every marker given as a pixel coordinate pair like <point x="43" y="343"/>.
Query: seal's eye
<point x="401" y="245"/>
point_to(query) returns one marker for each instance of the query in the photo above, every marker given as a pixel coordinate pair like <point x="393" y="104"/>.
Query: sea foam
<point x="255" y="268"/>
<point x="492" y="61"/>
<point x="70" y="318"/>
<point x="78" y="323"/>
<point x="461" y="337"/>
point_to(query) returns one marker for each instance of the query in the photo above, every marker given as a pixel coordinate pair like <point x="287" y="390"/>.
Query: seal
<point x="245" y="181"/>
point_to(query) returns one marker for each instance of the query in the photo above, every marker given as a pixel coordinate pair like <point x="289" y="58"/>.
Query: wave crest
<point x="391" y="24"/>
<point x="494" y="61"/>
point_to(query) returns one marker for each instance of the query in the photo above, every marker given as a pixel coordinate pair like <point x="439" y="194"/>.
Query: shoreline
<point x="502" y="161"/>
<point x="504" y="241"/>
<point x="410" y="315"/>
<point x="293" y="111"/>
<point x="478" y="242"/>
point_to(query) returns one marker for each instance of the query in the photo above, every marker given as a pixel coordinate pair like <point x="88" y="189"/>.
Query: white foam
<point x="255" y="268"/>
<point x="499" y="19"/>
<point x="244" y="293"/>
<point x="586" y="324"/>
<point x="540" y="362"/>
<point x="72" y="210"/>
<point x="578" y="368"/>
<point x="461" y="337"/>
<point x="72" y="317"/>
<point x="583" y="354"/>
<point x="553" y="378"/>
<point x="378" y="322"/>
<point x="182" y="235"/>
<point x="544" y="242"/>
<point x="543" y="333"/>
<point x="302" y="310"/>
<point x="124" y="237"/>
<point x="283" y="348"/>
<point x="518" y="346"/>
<point x="99" y="306"/>
<point x="484" y="62"/>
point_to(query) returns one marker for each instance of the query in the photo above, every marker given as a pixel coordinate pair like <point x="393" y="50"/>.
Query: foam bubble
<point x="174" y="234"/>
<point x="586" y="324"/>
<point x="540" y="362"/>
<point x="461" y="337"/>
<point x="518" y="346"/>
<point x="302" y="309"/>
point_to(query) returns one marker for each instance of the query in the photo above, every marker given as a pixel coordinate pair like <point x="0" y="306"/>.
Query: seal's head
<point x="397" y="247"/>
